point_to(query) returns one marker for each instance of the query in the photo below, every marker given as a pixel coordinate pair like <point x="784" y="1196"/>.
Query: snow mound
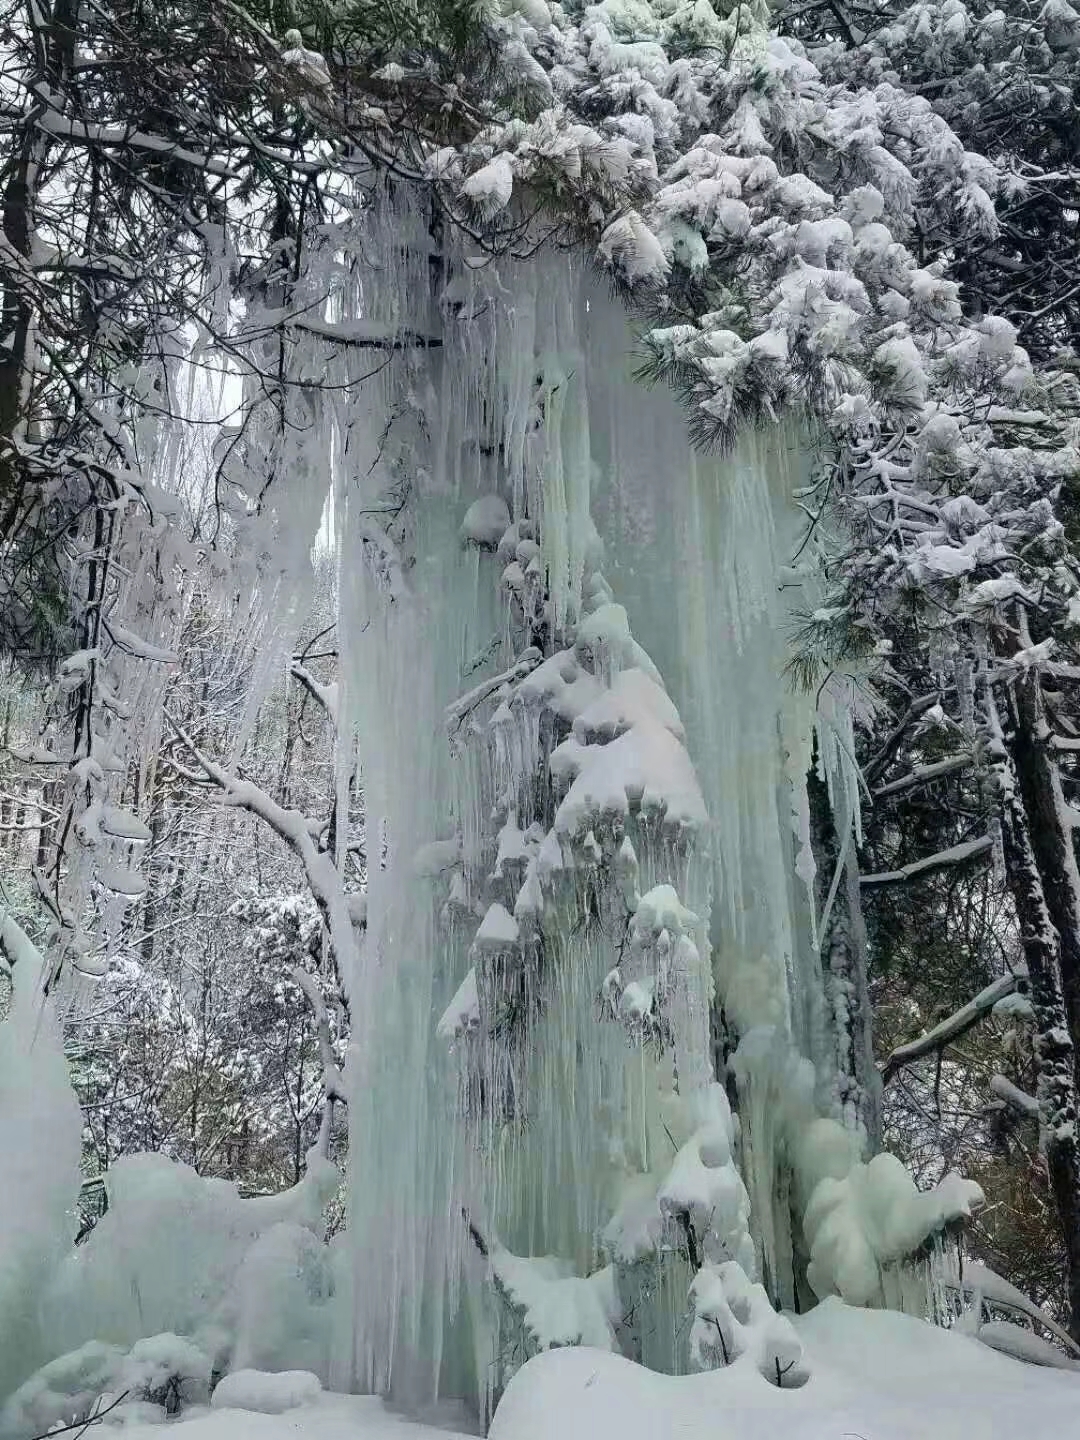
<point x="265" y="1392"/>
<point x="486" y="520"/>
<point x="873" y="1374"/>
<point x="179" y="1253"/>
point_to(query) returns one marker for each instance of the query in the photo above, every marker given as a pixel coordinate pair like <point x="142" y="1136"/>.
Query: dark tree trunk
<point x="20" y="178"/>
<point x="1054" y="1053"/>
<point x="17" y="322"/>
<point x="155" y="872"/>
<point x="843" y="964"/>
<point x="1051" y="838"/>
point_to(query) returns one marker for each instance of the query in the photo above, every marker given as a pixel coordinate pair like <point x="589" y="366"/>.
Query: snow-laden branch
<point x="950" y="1029"/>
<point x="987" y="1287"/>
<point x="366" y="335"/>
<point x="332" y="1083"/>
<point x="119" y="136"/>
<point x="923" y="775"/>
<point x="322" y="874"/>
<point x="1016" y="1099"/>
<point x="940" y="860"/>
<point x="324" y="695"/>
<point x="16" y="947"/>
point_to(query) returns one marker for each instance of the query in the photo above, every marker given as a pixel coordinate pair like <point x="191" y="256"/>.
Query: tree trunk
<point x="843" y="964"/>
<point x="1051" y="838"/>
<point x="16" y="316"/>
<point x="54" y="42"/>
<point x="1054" y="1053"/>
<point x="154" y="867"/>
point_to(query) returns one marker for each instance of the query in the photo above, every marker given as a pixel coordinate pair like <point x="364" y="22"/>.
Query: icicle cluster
<point x="129" y="563"/>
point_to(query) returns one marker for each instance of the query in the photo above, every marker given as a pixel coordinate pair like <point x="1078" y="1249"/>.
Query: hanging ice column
<point x="571" y="924"/>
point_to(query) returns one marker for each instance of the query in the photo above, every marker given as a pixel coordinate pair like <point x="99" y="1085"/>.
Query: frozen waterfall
<point x="565" y="667"/>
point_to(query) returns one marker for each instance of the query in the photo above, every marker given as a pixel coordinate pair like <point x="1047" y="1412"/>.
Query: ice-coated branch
<point x="476" y="1235"/>
<point x="950" y="1029"/>
<point x="524" y="665"/>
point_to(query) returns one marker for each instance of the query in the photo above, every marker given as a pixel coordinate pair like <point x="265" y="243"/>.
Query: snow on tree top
<point x="498" y="929"/>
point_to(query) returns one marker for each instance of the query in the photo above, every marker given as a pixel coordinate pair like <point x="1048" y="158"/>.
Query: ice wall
<point x="40" y="1141"/>
<point x="588" y="841"/>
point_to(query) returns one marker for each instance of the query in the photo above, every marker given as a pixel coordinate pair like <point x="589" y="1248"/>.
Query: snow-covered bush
<point x="733" y="1318"/>
<point x="63" y="1392"/>
<point x="159" y="1375"/>
<point x="546" y="1305"/>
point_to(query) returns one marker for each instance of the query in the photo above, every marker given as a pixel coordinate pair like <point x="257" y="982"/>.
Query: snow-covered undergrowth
<point x="177" y="1252"/>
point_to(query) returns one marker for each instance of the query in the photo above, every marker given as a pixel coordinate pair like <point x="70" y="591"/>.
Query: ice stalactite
<point x="273" y="464"/>
<point x="129" y="562"/>
<point x="41" y="1180"/>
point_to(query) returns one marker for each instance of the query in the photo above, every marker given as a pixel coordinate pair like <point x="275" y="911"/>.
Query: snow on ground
<point x="314" y="1416"/>
<point x="876" y="1375"/>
